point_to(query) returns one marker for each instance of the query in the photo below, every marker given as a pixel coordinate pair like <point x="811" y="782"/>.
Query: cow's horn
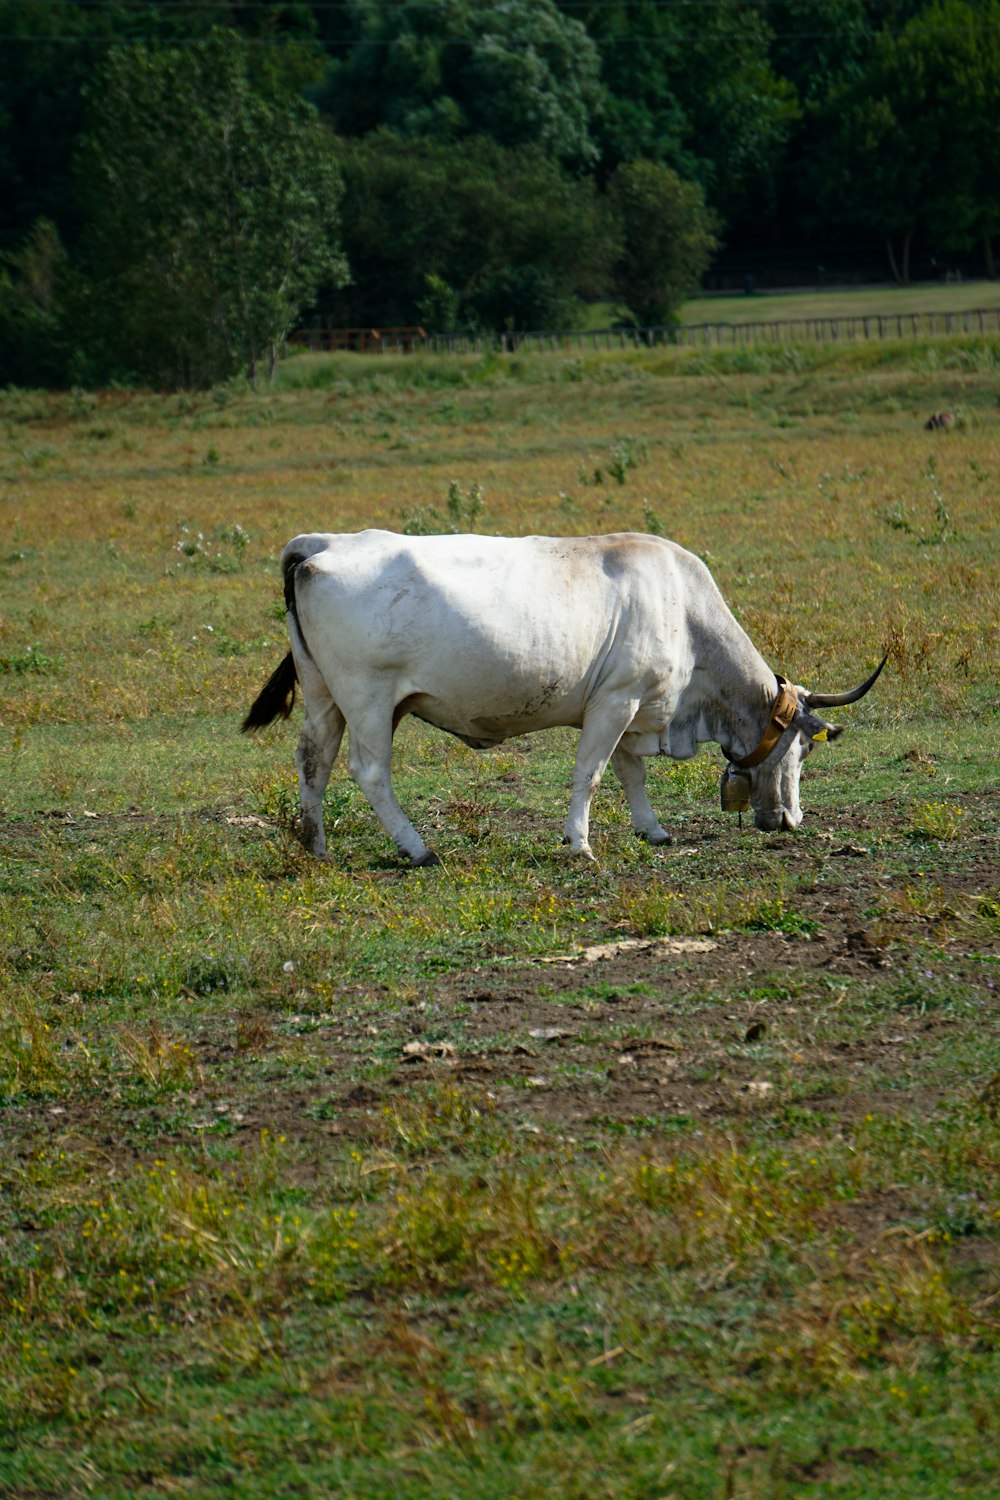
<point x="837" y="700"/>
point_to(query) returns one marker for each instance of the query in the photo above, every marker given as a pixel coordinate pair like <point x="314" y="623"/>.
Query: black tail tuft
<point x="275" y="697"/>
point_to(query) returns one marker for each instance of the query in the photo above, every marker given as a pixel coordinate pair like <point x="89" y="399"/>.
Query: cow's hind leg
<point x="369" y="756"/>
<point x="319" y="743"/>
<point x="603" y="726"/>
<point x="631" y="772"/>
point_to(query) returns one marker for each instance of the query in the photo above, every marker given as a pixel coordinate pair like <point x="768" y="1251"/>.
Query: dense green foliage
<point x="483" y="146"/>
<point x="913" y="138"/>
<point x="500" y="237"/>
<point x="33" y="282"/>
<point x="211" y="214"/>
<point x="520" y="72"/>
<point x="667" y="239"/>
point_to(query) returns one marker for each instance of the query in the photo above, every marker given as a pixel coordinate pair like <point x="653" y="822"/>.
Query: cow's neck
<point x="745" y="688"/>
<point x="729" y="697"/>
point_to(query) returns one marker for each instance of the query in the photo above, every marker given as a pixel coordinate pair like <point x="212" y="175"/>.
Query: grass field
<point x="844" y="302"/>
<point x="831" y="302"/>
<point x="669" y="1176"/>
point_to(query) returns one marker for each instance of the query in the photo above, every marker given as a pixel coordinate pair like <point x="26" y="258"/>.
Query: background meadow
<point x="340" y="1179"/>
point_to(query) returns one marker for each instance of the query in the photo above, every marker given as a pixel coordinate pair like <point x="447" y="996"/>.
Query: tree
<point x="692" y="86"/>
<point x="819" y="44"/>
<point x="50" y="53"/>
<point x="210" y="213"/>
<point x="517" y="70"/>
<point x="642" y="45"/>
<point x="34" y="347"/>
<point x="667" y="240"/>
<point x="865" y="175"/>
<point x="950" y="57"/>
<point x="911" y="146"/>
<point x="740" y="113"/>
<point x="475" y="233"/>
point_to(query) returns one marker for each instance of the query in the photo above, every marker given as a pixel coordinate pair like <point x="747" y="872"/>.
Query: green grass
<point x="327" y="1179"/>
<point x="833" y="302"/>
<point x="843" y="302"/>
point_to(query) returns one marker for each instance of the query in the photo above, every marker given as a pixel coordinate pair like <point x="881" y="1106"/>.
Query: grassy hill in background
<point x="826" y="302"/>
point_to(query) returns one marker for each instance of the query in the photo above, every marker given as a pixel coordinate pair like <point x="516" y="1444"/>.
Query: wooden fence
<point x="861" y="326"/>
<point x="360" y="340"/>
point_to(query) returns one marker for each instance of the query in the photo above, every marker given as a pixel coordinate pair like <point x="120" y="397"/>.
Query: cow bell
<point x="734" y="790"/>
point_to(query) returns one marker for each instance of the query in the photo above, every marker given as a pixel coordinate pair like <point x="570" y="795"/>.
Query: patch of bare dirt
<point x="634" y="1033"/>
<point x="643" y="1037"/>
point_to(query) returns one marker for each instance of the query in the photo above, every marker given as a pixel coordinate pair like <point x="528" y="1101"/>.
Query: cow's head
<point x="767" y="779"/>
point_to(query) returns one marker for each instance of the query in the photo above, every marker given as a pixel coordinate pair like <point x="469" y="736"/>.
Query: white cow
<point x="623" y="637"/>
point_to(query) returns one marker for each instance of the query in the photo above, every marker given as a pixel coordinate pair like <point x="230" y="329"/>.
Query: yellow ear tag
<point x="821" y="735"/>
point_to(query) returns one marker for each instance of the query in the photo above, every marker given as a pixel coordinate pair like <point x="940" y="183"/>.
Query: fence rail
<point x="360" y="340"/>
<point x="854" y="328"/>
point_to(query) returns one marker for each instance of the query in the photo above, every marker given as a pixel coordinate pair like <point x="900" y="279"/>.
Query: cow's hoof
<point x="656" y="839"/>
<point x="574" y="851"/>
<point x="311" y="849"/>
<point x="312" y="838"/>
<point x="425" y="862"/>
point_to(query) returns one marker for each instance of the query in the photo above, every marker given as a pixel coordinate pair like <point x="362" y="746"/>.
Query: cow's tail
<point x="277" y="696"/>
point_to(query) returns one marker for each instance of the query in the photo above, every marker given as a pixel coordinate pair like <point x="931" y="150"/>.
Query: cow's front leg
<point x="370" y="752"/>
<point x="631" y="772"/>
<point x="603" y="727"/>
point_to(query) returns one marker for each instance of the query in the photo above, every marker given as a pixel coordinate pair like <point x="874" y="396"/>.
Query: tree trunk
<point x="991" y="269"/>
<point x="900" y="268"/>
<point x="892" y="261"/>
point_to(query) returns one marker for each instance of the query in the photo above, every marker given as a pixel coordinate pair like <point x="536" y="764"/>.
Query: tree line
<point x="181" y="181"/>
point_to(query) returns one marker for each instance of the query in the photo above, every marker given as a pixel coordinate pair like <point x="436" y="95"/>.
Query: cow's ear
<point x="816" y="728"/>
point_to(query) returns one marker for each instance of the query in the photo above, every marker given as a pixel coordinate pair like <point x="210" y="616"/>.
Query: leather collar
<point x="783" y="711"/>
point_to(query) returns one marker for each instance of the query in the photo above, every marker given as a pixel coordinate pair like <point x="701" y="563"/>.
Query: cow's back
<point x="491" y="636"/>
<point x="540" y="599"/>
<point x="481" y="571"/>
